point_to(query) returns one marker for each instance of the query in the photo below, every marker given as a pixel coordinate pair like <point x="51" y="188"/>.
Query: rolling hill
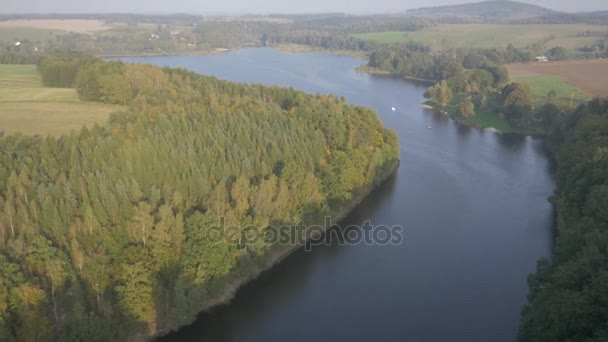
<point x="494" y="11"/>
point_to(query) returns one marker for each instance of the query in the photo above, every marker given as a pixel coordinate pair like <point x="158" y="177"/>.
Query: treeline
<point x="10" y="57"/>
<point x="105" y="232"/>
<point x="360" y="24"/>
<point x="593" y="18"/>
<point x="184" y="33"/>
<point x="319" y="39"/>
<point x="568" y="295"/>
<point x="60" y="69"/>
<point x="487" y="89"/>
<point x="415" y="61"/>
<point x="470" y="80"/>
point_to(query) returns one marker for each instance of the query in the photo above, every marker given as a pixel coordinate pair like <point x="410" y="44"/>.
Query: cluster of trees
<point x="105" y="232"/>
<point x="320" y="39"/>
<point x="569" y="295"/>
<point x="476" y="89"/>
<point x="60" y="69"/>
<point x="414" y="60"/>
<point x="471" y="80"/>
<point x="10" y="57"/>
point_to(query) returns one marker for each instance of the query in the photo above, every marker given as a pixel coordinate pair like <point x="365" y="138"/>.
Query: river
<point x="473" y="205"/>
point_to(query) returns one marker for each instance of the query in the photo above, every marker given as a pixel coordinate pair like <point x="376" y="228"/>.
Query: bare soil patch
<point x="588" y="75"/>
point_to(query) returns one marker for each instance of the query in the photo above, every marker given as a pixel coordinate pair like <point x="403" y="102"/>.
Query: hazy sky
<point x="258" y="6"/>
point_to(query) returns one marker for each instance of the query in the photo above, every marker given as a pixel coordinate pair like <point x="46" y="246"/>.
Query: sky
<point x="259" y="6"/>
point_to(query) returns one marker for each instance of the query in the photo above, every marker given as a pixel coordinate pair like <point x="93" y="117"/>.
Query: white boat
<point x="393" y="109"/>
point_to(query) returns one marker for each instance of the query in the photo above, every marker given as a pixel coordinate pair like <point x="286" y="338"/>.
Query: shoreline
<point x="273" y="258"/>
<point x="468" y="123"/>
<point x="166" y="54"/>
<point x="440" y="109"/>
<point x="298" y="48"/>
<point x="286" y="48"/>
<point x="364" y="69"/>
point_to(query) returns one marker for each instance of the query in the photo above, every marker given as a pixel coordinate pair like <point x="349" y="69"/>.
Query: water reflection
<point x="512" y="141"/>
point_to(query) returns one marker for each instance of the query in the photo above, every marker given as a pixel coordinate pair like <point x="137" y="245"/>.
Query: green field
<point x="483" y="118"/>
<point x="489" y="119"/>
<point x="445" y="36"/>
<point x="12" y="34"/>
<point x="29" y="108"/>
<point x="566" y="93"/>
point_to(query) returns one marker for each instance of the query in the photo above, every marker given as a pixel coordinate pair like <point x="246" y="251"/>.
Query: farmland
<point x="586" y="75"/>
<point x="446" y="36"/>
<point x="29" y="108"/>
<point x="566" y="93"/>
<point x="72" y="25"/>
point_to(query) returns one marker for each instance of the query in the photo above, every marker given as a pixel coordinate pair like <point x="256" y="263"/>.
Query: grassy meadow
<point x="566" y="92"/>
<point x="29" y="108"/>
<point x="446" y="36"/>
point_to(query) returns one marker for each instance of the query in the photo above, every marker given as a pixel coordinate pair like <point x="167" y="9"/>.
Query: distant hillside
<point x="495" y="11"/>
<point x="594" y="18"/>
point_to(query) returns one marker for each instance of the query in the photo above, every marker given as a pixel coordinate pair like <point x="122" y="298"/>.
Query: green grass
<point x="29" y="108"/>
<point x="12" y="34"/>
<point x="445" y="36"/>
<point x="483" y="118"/>
<point x="566" y="93"/>
<point x="489" y="119"/>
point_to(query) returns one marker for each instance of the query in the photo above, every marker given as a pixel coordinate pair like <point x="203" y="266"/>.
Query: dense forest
<point x="415" y="61"/>
<point x="104" y="232"/>
<point x="568" y="298"/>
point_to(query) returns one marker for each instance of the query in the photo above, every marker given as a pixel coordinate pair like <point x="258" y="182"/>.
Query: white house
<point x="542" y="59"/>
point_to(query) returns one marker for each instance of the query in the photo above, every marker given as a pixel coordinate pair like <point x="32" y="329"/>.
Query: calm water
<point x="473" y="204"/>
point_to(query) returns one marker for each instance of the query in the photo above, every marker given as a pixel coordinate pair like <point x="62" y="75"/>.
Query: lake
<point x="473" y="205"/>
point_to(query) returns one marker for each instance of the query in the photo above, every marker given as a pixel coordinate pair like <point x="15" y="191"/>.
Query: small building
<point x="542" y="59"/>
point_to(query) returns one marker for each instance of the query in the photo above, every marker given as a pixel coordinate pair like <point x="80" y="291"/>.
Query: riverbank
<point x="487" y="120"/>
<point x="170" y="53"/>
<point x="256" y="267"/>
<point x="287" y="48"/>
<point x="296" y="48"/>
<point x="365" y="69"/>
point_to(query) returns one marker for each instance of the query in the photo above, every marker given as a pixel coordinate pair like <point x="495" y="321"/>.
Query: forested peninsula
<point x="472" y="86"/>
<point x="104" y="231"/>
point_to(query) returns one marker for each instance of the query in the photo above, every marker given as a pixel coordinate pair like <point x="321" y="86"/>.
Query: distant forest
<point x="166" y="34"/>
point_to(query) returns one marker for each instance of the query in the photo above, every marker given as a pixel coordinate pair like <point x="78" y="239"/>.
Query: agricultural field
<point x="588" y="76"/>
<point x="71" y="25"/>
<point x="566" y="93"/>
<point x="446" y="36"/>
<point x="12" y="34"/>
<point x="29" y="108"/>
